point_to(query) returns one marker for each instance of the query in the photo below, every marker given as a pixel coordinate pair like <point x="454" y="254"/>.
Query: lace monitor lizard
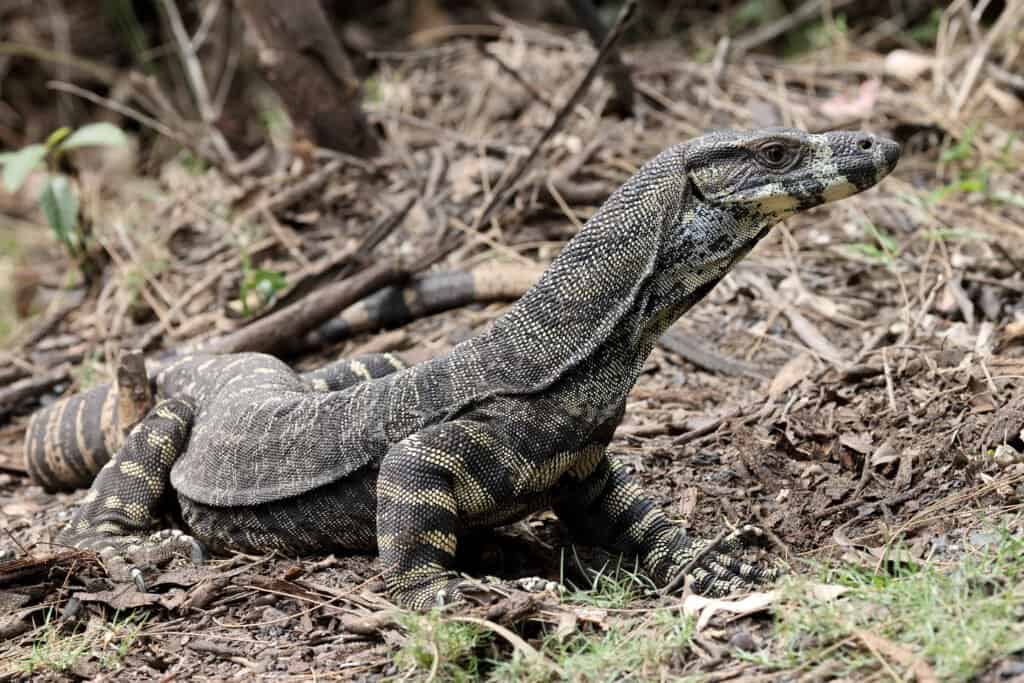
<point x="368" y="454"/>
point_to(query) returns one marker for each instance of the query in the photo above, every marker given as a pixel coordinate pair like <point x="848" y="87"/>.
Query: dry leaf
<point x="884" y="454"/>
<point x="843" y="106"/>
<point x="906" y="65"/>
<point x="127" y="597"/>
<point x="856" y="442"/>
<point x="790" y="374"/>
<point x="923" y="673"/>
<point x="705" y="608"/>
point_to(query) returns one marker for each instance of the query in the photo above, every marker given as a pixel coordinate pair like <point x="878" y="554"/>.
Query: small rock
<point x="743" y="641"/>
<point x="705" y="458"/>
<point x="1006" y="455"/>
<point x="272" y="614"/>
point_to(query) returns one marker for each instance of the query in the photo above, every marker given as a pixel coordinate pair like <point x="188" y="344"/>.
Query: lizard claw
<point x="714" y="567"/>
<point x="130" y="559"/>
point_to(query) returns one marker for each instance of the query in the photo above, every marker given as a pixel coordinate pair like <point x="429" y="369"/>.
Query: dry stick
<point x="615" y="71"/>
<point x="342" y="264"/>
<point x="771" y="31"/>
<point x="15" y="393"/>
<point x="690" y="349"/>
<point x="134" y="393"/>
<point x="501" y="193"/>
<point x="194" y="72"/>
<point x="98" y="71"/>
<point x="514" y="75"/>
<point x="126" y="111"/>
<point x="973" y="69"/>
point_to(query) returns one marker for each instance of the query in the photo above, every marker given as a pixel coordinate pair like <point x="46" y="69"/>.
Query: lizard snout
<point x="885" y="152"/>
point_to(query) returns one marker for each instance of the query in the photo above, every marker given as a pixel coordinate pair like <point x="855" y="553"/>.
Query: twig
<point x="341" y="265"/>
<point x="615" y="70"/>
<point x="194" y="72"/>
<point x="96" y="70"/>
<point x="889" y="391"/>
<point x="514" y="75"/>
<point x="769" y="32"/>
<point x="15" y="393"/>
<point x="123" y="110"/>
<point x="501" y="195"/>
<point x="1006" y="20"/>
<point x="190" y="61"/>
<point x="690" y="349"/>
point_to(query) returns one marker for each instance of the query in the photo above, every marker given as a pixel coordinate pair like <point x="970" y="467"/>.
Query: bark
<point x="304" y="62"/>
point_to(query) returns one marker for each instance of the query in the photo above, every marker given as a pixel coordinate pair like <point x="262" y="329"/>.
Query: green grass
<point x="960" y="619"/>
<point x="106" y="642"/>
<point x="442" y="649"/>
<point x="640" y="649"/>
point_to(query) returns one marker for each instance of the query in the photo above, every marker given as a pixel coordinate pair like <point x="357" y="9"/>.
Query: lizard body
<point x="367" y="454"/>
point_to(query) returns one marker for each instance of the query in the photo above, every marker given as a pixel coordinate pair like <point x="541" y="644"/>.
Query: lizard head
<point x="778" y="172"/>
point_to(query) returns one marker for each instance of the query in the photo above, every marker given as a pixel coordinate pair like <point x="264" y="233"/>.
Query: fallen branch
<point x="274" y="331"/>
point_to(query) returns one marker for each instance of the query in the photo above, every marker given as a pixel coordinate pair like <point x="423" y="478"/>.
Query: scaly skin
<point x="365" y="454"/>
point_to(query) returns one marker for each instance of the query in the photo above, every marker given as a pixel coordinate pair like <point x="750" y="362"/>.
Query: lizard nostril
<point x="865" y="144"/>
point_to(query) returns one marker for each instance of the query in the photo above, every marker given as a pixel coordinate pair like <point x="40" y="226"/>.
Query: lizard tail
<point x="68" y="442"/>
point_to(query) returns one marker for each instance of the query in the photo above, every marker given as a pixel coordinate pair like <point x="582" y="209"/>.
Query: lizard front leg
<point x="126" y="501"/>
<point x="429" y="486"/>
<point x="603" y="507"/>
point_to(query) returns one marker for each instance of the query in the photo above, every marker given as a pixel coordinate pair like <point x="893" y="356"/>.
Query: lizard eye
<point x="774" y="155"/>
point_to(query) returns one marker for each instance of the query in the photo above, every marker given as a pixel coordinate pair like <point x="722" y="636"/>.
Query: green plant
<point x="883" y="248"/>
<point x="58" y="198"/>
<point x="442" y="649"/>
<point x="634" y="649"/>
<point x="264" y="283"/>
<point x="960" y="619"/>
<point x="927" y="31"/>
<point x="56" y="650"/>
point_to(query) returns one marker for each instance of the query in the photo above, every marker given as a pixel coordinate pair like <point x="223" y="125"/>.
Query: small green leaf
<point x="20" y="164"/>
<point x="57" y="136"/>
<point x="60" y="204"/>
<point x="93" y="134"/>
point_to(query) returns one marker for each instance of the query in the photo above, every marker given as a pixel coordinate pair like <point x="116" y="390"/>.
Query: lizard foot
<point x="130" y="558"/>
<point x="449" y="588"/>
<point x="490" y="587"/>
<point x="714" y="566"/>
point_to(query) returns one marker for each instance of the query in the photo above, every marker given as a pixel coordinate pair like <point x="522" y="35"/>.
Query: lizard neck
<point x="691" y="262"/>
<point x="649" y="253"/>
<point x="592" y="287"/>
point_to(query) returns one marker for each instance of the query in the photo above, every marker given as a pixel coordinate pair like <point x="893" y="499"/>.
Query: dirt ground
<point x="854" y="386"/>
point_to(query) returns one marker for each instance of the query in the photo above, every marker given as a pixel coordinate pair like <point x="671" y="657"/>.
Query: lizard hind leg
<point x="121" y="515"/>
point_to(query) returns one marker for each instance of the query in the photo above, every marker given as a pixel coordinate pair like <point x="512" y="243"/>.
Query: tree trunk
<point x="301" y="57"/>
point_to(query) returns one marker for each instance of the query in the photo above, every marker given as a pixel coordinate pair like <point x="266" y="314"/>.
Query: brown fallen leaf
<point x="126" y="597"/>
<point x="790" y="374"/>
<point x="902" y="655"/>
<point x="859" y="442"/>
